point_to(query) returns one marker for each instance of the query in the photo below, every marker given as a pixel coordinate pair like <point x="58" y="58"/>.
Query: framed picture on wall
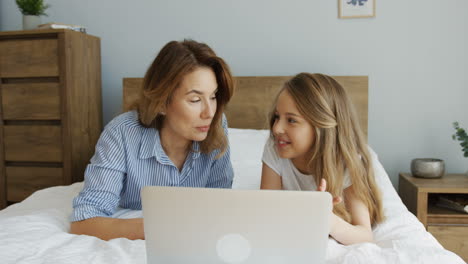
<point x="356" y="8"/>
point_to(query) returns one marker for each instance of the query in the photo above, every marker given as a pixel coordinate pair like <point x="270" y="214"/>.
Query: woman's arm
<point x="109" y="228"/>
<point x="270" y="179"/>
<point x="100" y="196"/>
<point x="360" y="230"/>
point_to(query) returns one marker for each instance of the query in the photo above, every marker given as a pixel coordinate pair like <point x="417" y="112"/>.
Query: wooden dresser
<point x="449" y="227"/>
<point x="50" y="111"/>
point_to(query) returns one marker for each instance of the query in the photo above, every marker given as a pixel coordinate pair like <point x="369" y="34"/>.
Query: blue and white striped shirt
<point x="129" y="156"/>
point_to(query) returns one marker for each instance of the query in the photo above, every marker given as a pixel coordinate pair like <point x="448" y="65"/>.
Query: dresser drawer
<point x="29" y="58"/>
<point x="453" y="238"/>
<point x="33" y="143"/>
<point x="23" y="181"/>
<point x="31" y="101"/>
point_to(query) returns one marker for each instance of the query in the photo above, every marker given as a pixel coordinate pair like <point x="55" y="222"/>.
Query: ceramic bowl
<point x="427" y="168"/>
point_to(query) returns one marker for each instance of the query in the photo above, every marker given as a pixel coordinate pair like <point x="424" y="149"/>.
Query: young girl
<point x="315" y="141"/>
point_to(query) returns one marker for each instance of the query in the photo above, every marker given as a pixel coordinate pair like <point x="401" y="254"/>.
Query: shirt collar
<point x="150" y="146"/>
<point x="195" y="150"/>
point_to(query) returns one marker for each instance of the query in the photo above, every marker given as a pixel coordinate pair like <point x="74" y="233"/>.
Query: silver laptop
<point x="207" y="226"/>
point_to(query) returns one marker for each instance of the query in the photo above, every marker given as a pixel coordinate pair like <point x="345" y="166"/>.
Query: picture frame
<point x="356" y="8"/>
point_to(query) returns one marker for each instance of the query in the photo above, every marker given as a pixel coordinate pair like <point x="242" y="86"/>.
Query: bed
<point x="36" y="230"/>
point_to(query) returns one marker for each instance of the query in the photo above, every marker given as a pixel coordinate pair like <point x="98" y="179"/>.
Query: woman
<point x="176" y="136"/>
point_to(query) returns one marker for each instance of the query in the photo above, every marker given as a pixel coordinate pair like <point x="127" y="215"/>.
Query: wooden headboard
<point x="253" y="98"/>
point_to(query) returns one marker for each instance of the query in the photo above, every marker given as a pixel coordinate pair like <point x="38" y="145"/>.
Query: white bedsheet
<point x="36" y="230"/>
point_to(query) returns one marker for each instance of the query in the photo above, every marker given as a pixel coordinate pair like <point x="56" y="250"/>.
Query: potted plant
<point x="32" y="11"/>
<point x="462" y="136"/>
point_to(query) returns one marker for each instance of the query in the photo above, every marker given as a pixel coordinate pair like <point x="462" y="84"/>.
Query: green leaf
<point x="462" y="136"/>
<point x="32" y="7"/>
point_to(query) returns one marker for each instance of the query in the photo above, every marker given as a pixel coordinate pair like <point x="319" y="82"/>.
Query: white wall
<point x="414" y="52"/>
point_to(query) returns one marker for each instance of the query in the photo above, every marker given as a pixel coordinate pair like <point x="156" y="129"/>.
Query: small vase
<point x="31" y="22"/>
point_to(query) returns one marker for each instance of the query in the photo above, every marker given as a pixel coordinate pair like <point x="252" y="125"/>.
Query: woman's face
<point x="193" y="105"/>
<point x="293" y="134"/>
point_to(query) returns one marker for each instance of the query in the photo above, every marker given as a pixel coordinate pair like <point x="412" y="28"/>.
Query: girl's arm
<point x="360" y="230"/>
<point x="107" y="228"/>
<point x="270" y="179"/>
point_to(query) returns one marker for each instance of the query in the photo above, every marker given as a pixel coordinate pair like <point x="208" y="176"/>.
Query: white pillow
<point x="246" y="156"/>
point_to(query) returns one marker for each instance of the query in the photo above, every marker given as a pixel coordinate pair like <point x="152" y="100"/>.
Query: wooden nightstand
<point x="449" y="227"/>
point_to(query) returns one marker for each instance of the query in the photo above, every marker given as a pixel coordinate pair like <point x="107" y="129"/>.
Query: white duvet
<point x="36" y="230"/>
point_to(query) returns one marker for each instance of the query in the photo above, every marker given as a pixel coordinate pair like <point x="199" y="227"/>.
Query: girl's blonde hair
<point x="175" y="60"/>
<point x="339" y="143"/>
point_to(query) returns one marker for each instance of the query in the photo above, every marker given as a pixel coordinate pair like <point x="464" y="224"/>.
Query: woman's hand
<point x="107" y="228"/>
<point x="323" y="187"/>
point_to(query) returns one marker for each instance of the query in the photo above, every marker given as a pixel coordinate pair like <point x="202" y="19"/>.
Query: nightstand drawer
<point x="29" y="58"/>
<point x="453" y="238"/>
<point x="31" y="101"/>
<point x="33" y="143"/>
<point x="23" y="181"/>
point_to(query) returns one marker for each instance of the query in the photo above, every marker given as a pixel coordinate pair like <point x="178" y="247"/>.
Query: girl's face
<point x="293" y="134"/>
<point x="193" y="106"/>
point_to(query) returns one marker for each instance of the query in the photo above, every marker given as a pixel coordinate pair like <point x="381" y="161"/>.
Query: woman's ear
<point x="163" y="111"/>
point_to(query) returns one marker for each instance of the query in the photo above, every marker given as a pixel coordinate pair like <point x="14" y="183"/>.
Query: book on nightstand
<point x="457" y="202"/>
<point x="62" y="26"/>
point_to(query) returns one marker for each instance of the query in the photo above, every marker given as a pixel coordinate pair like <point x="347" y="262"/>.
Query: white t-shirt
<point x="291" y="177"/>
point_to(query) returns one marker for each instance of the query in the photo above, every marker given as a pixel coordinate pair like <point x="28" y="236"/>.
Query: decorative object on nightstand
<point x="462" y="136"/>
<point x="457" y="202"/>
<point x="427" y="168"/>
<point x="32" y="11"/>
<point x="50" y="109"/>
<point x="448" y="226"/>
<point x="54" y="25"/>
